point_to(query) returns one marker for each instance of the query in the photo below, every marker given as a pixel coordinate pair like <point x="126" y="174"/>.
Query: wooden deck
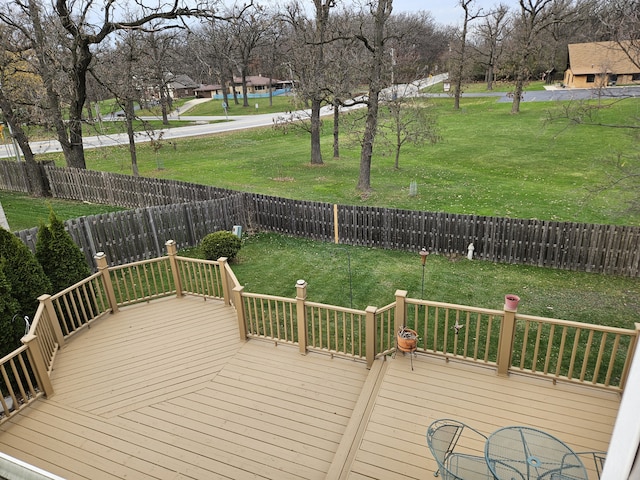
<point x="167" y="390"/>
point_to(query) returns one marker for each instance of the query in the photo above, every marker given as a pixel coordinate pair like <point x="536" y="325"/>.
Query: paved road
<point x="252" y="121"/>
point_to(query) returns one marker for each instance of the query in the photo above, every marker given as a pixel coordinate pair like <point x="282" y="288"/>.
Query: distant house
<point x="257" y="86"/>
<point x="181" y="86"/>
<point x="601" y="64"/>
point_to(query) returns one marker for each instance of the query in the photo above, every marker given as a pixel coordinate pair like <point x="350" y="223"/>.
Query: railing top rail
<point x="13" y="354"/>
<point x="454" y="306"/>
<point x="335" y="307"/>
<point x="139" y="262"/>
<point x="232" y="276"/>
<point x="74" y="286"/>
<point x="386" y="308"/>
<point x="571" y="323"/>
<point x="268" y="297"/>
<point x="197" y="260"/>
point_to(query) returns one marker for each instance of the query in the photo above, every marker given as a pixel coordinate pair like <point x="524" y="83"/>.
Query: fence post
<point x="239" y="304"/>
<point x="103" y="268"/>
<point x="301" y="314"/>
<point x="401" y="310"/>
<point x="37" y="361"/>
<point x="222" y="263"/>
<point x="371" y="330"/>
<point x="505" y="344"/>
<point x="172" y="251"/>
<point x="47" y="304"/>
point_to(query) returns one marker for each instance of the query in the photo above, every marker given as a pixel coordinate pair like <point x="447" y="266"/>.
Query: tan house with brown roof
<point x="257" y="86"/>
<point x="599" y="64"/>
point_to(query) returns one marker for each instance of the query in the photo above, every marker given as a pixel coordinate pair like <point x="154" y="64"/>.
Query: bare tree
<point x="307" y="53"/>
<point x="374" y="43"/>
<point x="410" y="121"/>
<point x="533" y="20"/>
<point x="19" y="90"/>
<point x="248" y="27"/>
<point x="75" y="28"/>
<point x="419" y="44"/>
<point x="159" y="48"/>
<point x="459" y="63"/>
<point x="492" y="33"/>
<point x="212" y="45"/>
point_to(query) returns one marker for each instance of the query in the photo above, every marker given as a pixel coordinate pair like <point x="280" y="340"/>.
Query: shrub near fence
<point x="609" y="249"/>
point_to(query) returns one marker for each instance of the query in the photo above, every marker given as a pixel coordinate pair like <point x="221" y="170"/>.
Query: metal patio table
<point x="524" y="453"/>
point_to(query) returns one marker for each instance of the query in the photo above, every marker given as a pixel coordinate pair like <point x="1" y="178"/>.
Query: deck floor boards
<point x="167" y="390"/>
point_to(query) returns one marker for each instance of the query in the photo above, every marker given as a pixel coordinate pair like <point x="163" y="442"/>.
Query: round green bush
<point x="220" y="244"/>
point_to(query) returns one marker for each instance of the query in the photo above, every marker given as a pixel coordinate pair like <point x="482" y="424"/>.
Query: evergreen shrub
<point x="62" y="260"/>
<point x="23" y="272"/>
<point x="10" y="331"/>
<point x="220" y="244"/>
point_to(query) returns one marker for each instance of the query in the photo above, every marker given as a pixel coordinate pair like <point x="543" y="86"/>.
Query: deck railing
<point x="572" y="351"/>
<point x="560" y="350"/>
<point x="455" y="331"/>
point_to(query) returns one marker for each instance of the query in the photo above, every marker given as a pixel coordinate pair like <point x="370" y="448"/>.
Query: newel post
<point x="103" y="268"/>
<point x="370" y="330"/>
<point x="47" y="304"/>
<point x="505" y="344"/>
<point x="301" y="314"/>
<point x="401" y="310"/>
<point x="240" y="312"/>
<point x="172" y="251"/>
<point x="37" y="362"/>
<point x="224" y="278"/>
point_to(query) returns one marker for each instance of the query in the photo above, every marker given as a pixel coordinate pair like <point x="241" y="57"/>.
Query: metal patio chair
<point x="596" y="459"/>
<point x="455" y="462"/>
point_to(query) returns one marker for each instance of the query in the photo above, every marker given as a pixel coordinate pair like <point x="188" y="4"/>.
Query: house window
<point x="635" y="77"/>
<point x="591" y="78"/>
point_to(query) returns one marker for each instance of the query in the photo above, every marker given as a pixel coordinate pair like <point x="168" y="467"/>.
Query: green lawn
<point x="489" y="162"/>
<point x="279" y="103"/>
<point x="24" y="212"/>
<point x="376" y="274"/>
<point x="481" y="87"/>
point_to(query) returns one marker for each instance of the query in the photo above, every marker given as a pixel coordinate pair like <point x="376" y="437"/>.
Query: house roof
<point x="601" y="57"/>
<point x="252" y="81"/>
<point x="182" y="81"/>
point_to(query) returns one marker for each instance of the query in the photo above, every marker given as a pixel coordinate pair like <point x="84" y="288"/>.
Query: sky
<point x="446" y="12"/>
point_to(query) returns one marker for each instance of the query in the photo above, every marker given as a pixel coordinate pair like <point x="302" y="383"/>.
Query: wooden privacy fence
<point x="13" y="176"/>
<point x="187" y="215"/>
<point x="126" y="190"/>
<point x="139" y="234"/>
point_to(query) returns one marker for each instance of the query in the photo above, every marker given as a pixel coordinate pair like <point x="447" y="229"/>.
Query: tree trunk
<point x="383" y="10"/>
<point x="164" y="105"/>
<point x="245" y="93"/>
<point x="35" y="183"/>
<point x="517" y="94"/>
<point x="398" y="138"/>
<point x="69" y="149"/>
<point x="129" y="116"/>
<point x="316" y="152"/>
<point x="336" y="130"/>
<point x="489" y="77"/>
<point x="79" y="77"/>
<point x="371" y="127"/>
